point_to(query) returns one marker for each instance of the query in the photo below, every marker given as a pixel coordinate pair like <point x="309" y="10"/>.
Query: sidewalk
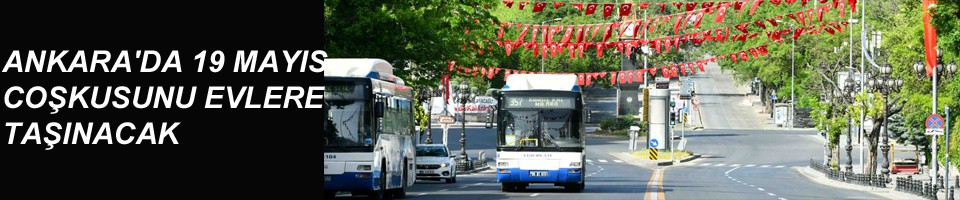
<point x="888" y="192"/>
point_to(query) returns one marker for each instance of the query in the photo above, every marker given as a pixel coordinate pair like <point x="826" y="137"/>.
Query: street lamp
<point x="792" y="84"/>
<point x="463" y="122"/>
<point x="920" y="69"/>
<point x="885" y="83"/>
<point x="849" y="92"/>
<point x="541" y="25"/>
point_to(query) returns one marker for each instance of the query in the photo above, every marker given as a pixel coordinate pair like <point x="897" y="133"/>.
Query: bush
<point x="621" y="124"/>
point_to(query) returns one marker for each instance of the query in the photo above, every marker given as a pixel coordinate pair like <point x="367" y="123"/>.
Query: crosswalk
<point x="735" y="165"/>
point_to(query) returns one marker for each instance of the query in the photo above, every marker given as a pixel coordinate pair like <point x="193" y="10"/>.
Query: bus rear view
<point x="540" y="123"/>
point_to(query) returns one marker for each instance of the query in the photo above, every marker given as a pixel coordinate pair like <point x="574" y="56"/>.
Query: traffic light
<point x="673" y="117"/>
<point x="673" y="104"/>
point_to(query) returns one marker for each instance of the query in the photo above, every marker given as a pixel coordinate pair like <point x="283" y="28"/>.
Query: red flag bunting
<point x="591" y="7"/>
<point x="625" y="9"/>
<point x="538" y="6"/>
<point x="579" y="6"/>
<point x="508" y="3"/>
<point x="607" y="9"/>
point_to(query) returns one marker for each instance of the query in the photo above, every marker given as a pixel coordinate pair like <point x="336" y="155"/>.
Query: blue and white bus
<point x="369" y="145"/>
<point x="540" y="122"/>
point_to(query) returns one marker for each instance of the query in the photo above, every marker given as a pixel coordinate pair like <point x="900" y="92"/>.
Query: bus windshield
<point x="345" y="124"/>
<point x="540" y="128"/>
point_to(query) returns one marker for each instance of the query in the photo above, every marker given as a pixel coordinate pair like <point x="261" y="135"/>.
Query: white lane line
<point x="535" y="194"/>
<point x="761" y="189"/>
<point x="720" y="165"/>
<point x="601" y="160"/>
<point x="735" y="165"/>
<point x="781" y="198"/>
<point x="589" y="161"/>
<point x="478" y="184"/>
<point x="728" y="171"/>
<point x="771" y="194"/>
<point x="444" y="190"/>
<point x="619" y="161"/>
<point x="705" y="164"/>
<point x="739" y="181"/>
<point x="764" y="166"/>
<point x="461" y="187"/>
<point x="421" y="194"/>
<point x="779" y="166"/>
<point x="753" y="186"/>
<point x="750" y="165"/>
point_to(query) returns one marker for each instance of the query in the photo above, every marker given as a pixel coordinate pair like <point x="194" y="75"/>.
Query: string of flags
<point x="624" y="9"/>
<point x="575" y="47"/>
<point x="628" y="76"/>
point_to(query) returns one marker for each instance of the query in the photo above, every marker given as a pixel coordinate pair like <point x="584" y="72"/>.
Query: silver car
<point x="434" y="162"/>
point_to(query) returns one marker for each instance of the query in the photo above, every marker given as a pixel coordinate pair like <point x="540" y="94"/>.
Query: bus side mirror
<point x="378" y="109"/>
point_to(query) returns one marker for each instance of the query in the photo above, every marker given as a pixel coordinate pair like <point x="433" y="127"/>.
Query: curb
<point x="817" y="177"/>
<point x="665" y="163"/>
<point x="690" y="158"/>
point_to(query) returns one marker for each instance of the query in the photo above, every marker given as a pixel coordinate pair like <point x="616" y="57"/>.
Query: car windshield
<point x="435" y="151"/>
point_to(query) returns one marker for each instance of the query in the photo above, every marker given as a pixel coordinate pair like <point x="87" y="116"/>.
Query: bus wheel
<point x="329" y="194"/>
<point x="506" y="187"/>
<point x="379" y="194"/>
<point x="401" y="192"/>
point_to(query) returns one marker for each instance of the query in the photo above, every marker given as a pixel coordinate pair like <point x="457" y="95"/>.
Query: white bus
<point x="369" y="145"/>
<point x="540" y="122"/>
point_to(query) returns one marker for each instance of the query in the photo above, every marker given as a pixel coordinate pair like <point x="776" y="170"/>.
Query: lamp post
<point x="920" y="69"/>
<point x="848" y="91"/>
<point x="429" y="99"/>
<point x="886" y="84"/>
<point x="463" y="121"/>
<point x="541" y="25"/>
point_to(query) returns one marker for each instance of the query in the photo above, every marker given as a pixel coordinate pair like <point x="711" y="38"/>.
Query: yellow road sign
<point x="654" y="155"/>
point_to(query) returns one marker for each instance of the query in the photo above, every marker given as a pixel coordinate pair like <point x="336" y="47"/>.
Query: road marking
<point x="753" y="186"/>
<point x="461" y="187"/>
<point x="761" y="189"/>
<point x="771" y="194"/>
<point x="535" y="194"/>
<point x="705" y="164"/>
<point x="750" y="165"/>
<point x="735" y="165"/>
<point x="765" y="166"/>
<point x="619" y="161"/>
<point x="782" y="198"/>
<point x="654" y="190"/>
<point x="601" y="160"/>
<point x="444" y="190"/>
<point x="781" y="166"/>
<point x="728" y="171"/>
<point x="478" y="184"/>
<point x="589" y="161"/>
<point x="720" y="165"/>
<point x="421" y="194"/>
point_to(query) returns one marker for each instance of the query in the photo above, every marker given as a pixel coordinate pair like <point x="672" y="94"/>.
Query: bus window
<point x="521" y="128"/>
<point x="557" y="128"/>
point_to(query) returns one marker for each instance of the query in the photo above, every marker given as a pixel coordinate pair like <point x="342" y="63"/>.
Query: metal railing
<point x="467" y="165"/>
<point x="916" y="187"/>
<point x="871" y="180"/>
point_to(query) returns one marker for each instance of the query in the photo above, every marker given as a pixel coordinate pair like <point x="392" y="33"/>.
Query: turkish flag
<point x="842" y="10"/>
<point x="742" y="27"/>
<point x="700" y="65"/>
<point x="775" y="2"/>
<point x="763" y="50"/>
<point x="800" y="16"/>
<point x="760" y="24"/>
<point x="679" y="5"/>
<point x="690" y="6"/>
<point x="653" y="25"/>
<point x="556" y="5"/>
<point x="853" y="5"/>
<point x="792" y="1"/>
<point x="522" y="4"/>
<point x="772" y="21"/>
<point x="668" y="43"/>
<point x="656" y="45"/>
<point x="591" y="7"/>
<point x="538" y="6"/>
<point x="607" y="9"/>
<point x="613" y="78"/>
<point x="676" y="27"/>
<point x="803" y="3"/>
<point x="743" y="55"/>
<point x="508" y="3"/>
<point x="820" y="13"/>
<point x="797" y="32"/>
<point x="662" y="6"/>
<point x="609" y="30"/>
<point x="625" y="9"/>
<point x="508" y="47"/>
<point x="699" y="16"/>
<point x="753" y="9"/>
<point x="708" y="6"/>
<point x="599" y="49"/>
<point x="579" y="6"/>
<point x="643" y="5"/>
<point x="753" y="52"/>
<point x="721" y="12"/>
<point x="579" y="34"/>
<point x="738" y="6"/>
<point x="567" y="34"/>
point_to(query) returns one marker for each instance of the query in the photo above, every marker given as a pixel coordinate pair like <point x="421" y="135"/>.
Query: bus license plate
<point x="538" y="173"/>
<point x="326" y="178"/>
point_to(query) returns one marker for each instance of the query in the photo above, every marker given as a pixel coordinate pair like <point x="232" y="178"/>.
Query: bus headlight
<point x="576" y="164"/>
<point x="363" y="168"/>
<point x="503" y="164"/>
